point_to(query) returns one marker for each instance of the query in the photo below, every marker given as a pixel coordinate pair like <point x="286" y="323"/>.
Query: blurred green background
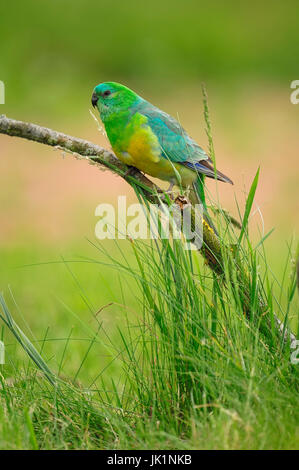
<point x="53" y="53"/>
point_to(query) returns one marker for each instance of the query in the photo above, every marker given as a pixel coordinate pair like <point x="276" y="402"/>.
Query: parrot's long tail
<point x="197" y="196"/>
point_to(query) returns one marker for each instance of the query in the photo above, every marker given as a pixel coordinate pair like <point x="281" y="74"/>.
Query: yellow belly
<point x="144" y="152"/>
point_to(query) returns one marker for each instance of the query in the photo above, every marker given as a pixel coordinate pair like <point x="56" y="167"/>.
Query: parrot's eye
<point x="107" y="93"/>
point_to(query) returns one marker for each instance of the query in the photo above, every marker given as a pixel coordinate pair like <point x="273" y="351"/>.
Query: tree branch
<point x="211" y="248"/>
<point x="79" y="147"/>
<point x="96" y="155"/>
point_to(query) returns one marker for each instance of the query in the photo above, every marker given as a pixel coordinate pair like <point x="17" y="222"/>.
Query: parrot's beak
<point x="94" y="99"/>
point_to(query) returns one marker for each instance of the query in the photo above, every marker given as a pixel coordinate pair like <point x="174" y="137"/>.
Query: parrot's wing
<point x="176" y="144"/>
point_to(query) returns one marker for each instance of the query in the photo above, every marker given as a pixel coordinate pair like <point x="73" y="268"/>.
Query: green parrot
<point x="147" y="138"/>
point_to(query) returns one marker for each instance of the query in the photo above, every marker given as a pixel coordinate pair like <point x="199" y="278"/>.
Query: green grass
<point x="179" y="365"/>
<point x="145" y="347"/>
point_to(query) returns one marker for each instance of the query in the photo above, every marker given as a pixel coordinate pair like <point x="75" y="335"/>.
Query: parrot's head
<point x="111" y="97"/>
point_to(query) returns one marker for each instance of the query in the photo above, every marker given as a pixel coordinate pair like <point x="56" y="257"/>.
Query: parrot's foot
<point x="132" y="171"/>
<point x="169" y="191"/>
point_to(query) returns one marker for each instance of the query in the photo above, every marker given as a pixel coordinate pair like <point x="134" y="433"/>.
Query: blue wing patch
<point x="176" y="144"/>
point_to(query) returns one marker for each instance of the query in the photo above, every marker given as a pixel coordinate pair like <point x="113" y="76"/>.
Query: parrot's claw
<point x="169" y="191"/>
<point x="132" y="171"/>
